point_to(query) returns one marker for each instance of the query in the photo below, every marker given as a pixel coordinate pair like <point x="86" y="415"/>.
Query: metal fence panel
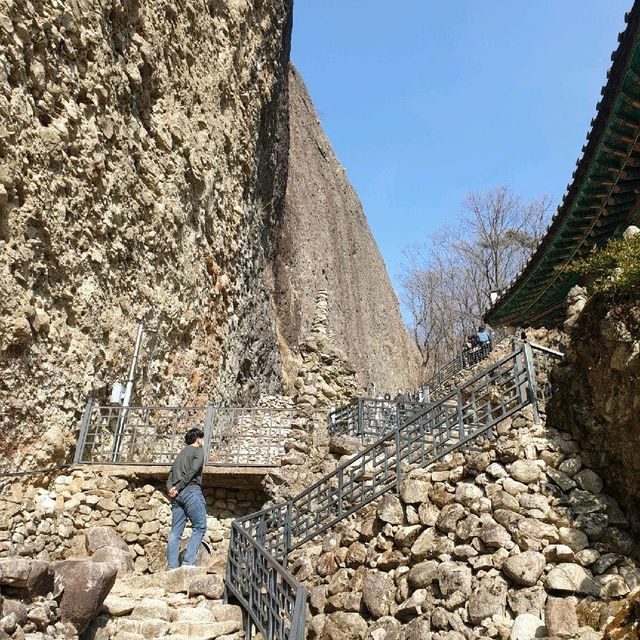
<point x="234" y="436"/>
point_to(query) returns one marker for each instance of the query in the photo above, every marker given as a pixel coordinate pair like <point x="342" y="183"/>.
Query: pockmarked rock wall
<point x="142" y="164"/>
<point x="324" y="242"/>
<point x="144" y="153"/>
<point x="597" y="399"/>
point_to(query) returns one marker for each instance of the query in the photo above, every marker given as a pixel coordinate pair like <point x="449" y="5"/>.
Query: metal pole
<point x="124" y="410"/>
<point x="531" y="379"/>
<point x="460" y="416"/>
<point x="84" y="427"/>
<point x="208" y="431"/>
<point x="361" y="419"/>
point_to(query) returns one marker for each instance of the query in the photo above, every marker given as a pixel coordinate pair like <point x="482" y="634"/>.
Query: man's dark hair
<point x="193" y="434"/>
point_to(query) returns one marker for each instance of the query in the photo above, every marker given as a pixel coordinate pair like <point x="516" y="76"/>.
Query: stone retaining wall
<point x="49" y="523"/>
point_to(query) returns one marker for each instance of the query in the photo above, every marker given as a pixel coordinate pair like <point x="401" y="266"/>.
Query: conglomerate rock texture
<point x="597" y="399"/>
<point x="142" y="148"/>
<point x="143" y="167"/>
<point x="338" y="255"/>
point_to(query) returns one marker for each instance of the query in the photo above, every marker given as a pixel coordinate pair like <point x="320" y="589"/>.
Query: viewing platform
<point x="242" y="444"/>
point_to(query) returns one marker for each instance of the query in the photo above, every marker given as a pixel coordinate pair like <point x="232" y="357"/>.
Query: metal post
<point x="340" y="491"/>
<point x="460" y="417"/>
<point x="84" y="427"/>
<point x="531" y="381"/>
<point x="287" y="530"/>
<point x="398" y="439"/>
<point x="124" y="411"/>
<point x="361" y="419"/>
<point x="208" y="431"/>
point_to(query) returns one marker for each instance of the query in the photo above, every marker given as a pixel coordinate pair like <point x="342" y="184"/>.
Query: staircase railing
<point x="274" y="602"/>
<point x="464" y="359"/>
<point x="370" y="418"/>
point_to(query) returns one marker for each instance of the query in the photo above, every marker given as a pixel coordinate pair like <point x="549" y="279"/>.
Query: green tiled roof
<point x="600" y="202"/>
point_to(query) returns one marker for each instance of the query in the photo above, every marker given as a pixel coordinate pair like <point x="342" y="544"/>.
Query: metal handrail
<point x="462" y="416"/>
<point x="464" y="359"/>
<point x="370" y="418"/>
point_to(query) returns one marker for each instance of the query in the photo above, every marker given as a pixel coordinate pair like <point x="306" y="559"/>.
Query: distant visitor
<point x="184" y="486"/>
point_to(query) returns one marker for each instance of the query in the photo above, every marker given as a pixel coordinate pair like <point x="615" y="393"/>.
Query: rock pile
<point x="51" y="600"/>
<point x="70" y="598"/>
<point x="59" y="521"/>
<point x="513" y="542"/>
<point x="168" y="604"/>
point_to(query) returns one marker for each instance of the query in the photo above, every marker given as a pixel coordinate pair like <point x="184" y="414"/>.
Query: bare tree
<point x="447" y="280"/>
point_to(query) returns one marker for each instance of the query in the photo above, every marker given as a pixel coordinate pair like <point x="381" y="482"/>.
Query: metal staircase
<point x="275" y="603"/>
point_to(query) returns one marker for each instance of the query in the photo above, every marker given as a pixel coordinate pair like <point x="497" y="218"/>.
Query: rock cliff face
<point x="324" y="242"/>
<point x="597" y="399"/>
<point x="142" y="164"/>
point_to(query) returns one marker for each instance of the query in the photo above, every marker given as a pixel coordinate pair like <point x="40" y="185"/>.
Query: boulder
<point x="209" y="585"/>
<point x="526" y="626"/>
<point x="468" y="494"/>
<point x="419" y="602"/>
<point x="121" y="560"/>
<point x="571" y="466"/>
<point x="525" y="471"/>
<point x="35" y="577"/>
<point x="390" y="509"/>
<point x="414" y="491"/>
<point x="488" y="599"/>
<point x="565" y="482"/>
<point x="530" y="600"/>
<point x="573" y="538"/>
<point x="85" y="585"/>
<point x="378" y="593"/>
<point x="449" y="517"/>
<point x="343" y="625"/>
<point x="344" y="445"/>
<point x="588" y="480"/>
<point x="524" y="568"/>
<point x="421" y="575"/>
<point x="618" y="541"/>
<point x="387" y="628"/>
<point x="98" y="537"/>
<point x="454" y="576"/>
<point x="430" y="545"/>
<point x="406" y="536"/>
<point x="560" y="617"/>
<point x="494" y="535"/>
<point x="571" y="578"/>
<point x="417" y="629"/>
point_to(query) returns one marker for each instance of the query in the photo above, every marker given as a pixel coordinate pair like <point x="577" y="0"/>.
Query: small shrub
<point x="614" y="269"/>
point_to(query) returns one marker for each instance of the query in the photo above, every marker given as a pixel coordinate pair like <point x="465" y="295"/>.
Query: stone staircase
<point x="160" y="605"/>
<point x="274" y="602"/>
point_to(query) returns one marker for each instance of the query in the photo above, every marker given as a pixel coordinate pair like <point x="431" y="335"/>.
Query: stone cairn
<point x="516" y="541"/>
<point x="325" y="379"/>
<point x="325" y="376"/>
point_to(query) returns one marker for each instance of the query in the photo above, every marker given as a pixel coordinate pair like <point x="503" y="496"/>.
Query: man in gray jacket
<point x="184" y="486"/>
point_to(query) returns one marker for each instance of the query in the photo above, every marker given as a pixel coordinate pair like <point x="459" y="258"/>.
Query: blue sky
<point x="425" y="101"/>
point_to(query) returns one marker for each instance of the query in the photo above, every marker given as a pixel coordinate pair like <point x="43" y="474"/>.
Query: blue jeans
<point x="189" y="504"/>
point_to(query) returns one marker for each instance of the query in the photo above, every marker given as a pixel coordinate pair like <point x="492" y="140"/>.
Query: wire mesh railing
<point x="151" y="436"/>
<point x="260" y="542"/>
